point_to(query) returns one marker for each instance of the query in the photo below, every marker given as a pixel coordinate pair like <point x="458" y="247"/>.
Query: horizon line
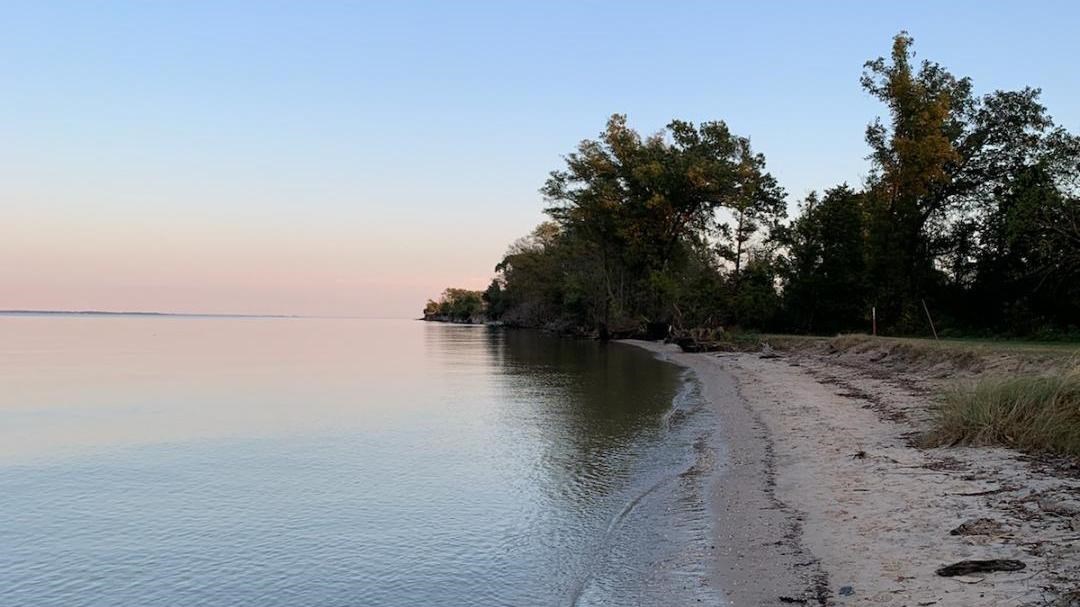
<point x="178" y="314"/>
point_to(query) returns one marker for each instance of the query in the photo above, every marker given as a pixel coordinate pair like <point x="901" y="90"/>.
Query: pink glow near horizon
<point x="348" y="269"/>
<point x="355" y="158"/>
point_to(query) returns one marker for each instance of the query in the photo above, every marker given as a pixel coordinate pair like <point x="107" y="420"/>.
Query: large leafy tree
<point x="913" y="159"/>
<point x="639" y="207"/>
<point x="941" y="164"/>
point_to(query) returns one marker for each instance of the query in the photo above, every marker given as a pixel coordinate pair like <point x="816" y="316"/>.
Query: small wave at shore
<point x="656" y="549"/>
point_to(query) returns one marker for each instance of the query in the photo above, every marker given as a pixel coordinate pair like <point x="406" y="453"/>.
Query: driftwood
<point x="700" y="339"/>
<point x="969" y="567"/>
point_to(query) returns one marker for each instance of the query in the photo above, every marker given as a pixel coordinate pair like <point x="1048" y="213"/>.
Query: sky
<point x="354" y="159"/>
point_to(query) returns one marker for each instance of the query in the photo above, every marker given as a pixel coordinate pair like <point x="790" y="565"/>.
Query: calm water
<point x="296" y="462"/>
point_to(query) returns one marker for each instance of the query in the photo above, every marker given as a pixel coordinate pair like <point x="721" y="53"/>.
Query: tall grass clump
<point x="1028" y="413"/>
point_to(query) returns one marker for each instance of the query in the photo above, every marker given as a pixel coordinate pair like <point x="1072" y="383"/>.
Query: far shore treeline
<point x="970" y="216"/>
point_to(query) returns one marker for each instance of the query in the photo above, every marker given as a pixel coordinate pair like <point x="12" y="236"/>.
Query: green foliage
<point x="971" y="208"/>
<point x="457" y="305"/>
<point x="634" y="215"/>
<point x="945" y="201"/>
<point x="824" y="267"/>
<point x="756" y="301"/>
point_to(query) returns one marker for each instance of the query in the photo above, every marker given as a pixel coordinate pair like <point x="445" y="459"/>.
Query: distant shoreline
<point x="154" y="314"/>
<point x="467" y="321"/>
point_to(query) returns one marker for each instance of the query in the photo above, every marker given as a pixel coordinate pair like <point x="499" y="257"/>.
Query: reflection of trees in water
<point x="577" y="430"/>
<point x="611" y="384"/>
<point x="583" y="402"/>
<point x="453" y="345"/>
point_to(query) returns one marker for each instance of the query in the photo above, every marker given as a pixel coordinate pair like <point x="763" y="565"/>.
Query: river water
<point x="313" y="462"/>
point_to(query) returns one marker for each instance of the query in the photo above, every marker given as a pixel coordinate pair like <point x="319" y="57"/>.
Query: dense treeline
<point x="971" y="213"/>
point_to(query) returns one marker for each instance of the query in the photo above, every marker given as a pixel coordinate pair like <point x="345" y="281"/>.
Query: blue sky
<point x="348" y="157"/>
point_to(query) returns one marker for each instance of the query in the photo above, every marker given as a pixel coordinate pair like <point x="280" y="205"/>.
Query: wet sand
<point x="823" y="498"/>
<point x="760" y="557"/>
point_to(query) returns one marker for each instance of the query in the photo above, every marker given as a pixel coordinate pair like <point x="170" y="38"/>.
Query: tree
<point x="638" y="209"/>
<point x="759" y="201"/>
<point x="531" y="283"/>
<point x="972" y="205"/>
<point x="824" y="275"/>
<point x="456" y="305"/>
<point x="756" y="302"/>
<point x="940" y="167"/>
<point x="913" y="159"/>
<point x="1027" y="274"/>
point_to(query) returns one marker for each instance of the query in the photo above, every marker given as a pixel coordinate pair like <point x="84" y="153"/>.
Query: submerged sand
<point x="825" y="499"/>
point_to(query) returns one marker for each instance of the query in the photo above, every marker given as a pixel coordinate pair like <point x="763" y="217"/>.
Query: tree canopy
<point x="971" y="209"/>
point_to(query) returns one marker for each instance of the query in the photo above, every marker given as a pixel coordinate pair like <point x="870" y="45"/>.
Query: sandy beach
<point x="824" y="497"/>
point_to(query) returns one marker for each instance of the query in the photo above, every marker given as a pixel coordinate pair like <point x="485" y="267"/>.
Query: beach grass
<point x="929" y="345"/>
<point x="1031" y="413"/>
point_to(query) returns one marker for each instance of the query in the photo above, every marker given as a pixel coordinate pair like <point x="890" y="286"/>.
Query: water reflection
<point x="587" y="402"/>
<point x="317" y="462"/>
